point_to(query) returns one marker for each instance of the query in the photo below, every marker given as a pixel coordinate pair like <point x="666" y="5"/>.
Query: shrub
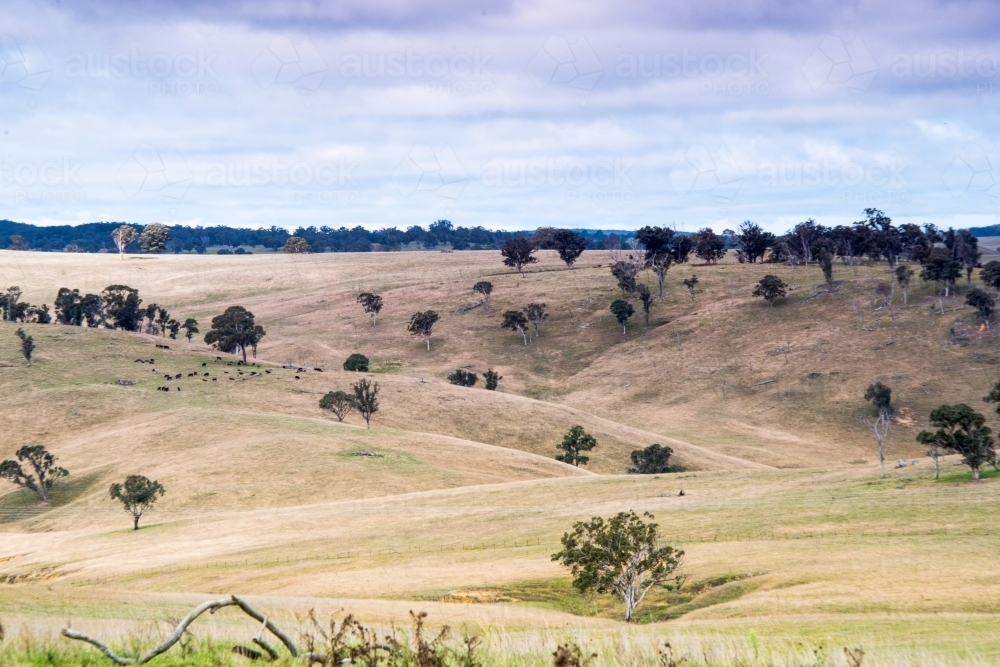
<point x="651" y="460"/>
<point x="463" y="378"/>
<point x="356" y="362"/>
<point x="492" y="379"/>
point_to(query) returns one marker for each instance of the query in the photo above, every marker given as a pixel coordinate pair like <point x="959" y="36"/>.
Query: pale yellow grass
<point x="267" y="497"/>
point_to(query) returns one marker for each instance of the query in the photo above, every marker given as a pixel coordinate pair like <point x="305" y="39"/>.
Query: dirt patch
<point x="477" y="597"/>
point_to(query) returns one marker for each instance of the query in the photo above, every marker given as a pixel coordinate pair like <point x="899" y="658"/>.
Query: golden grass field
<point x="794" y="545"/>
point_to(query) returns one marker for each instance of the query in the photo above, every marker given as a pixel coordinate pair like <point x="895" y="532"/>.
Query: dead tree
<point x="879" y="427"/>
<point x="211" y="606"/>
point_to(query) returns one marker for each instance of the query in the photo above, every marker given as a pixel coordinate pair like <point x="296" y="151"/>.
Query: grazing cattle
<point x="204" y="364"/>
<point x="267" y="371"/>
<point x="191" y="374"/>
<point x="218" y="358"/>
<point x="204" y="380"/>
<point x="140" y="361"/>
<point x="206" y="374"/>
<point x="300" y="370"/>
<point x="297" y="377"/>
<point x="163" y="347"/>
<point x="215" y="379"/>
<point x="318" y="369"/>
<point x="178" y="388"/>
<point x="178" y="376"/>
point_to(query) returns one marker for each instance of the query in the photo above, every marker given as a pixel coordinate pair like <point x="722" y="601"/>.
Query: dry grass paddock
<point x="790" y="535"/>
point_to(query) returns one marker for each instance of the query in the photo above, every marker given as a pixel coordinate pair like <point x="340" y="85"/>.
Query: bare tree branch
<point x="210" y="606"/>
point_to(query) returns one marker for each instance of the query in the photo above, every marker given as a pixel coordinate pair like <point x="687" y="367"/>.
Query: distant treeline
<point x="992" y="230"/>
<point x="96" y="237"/>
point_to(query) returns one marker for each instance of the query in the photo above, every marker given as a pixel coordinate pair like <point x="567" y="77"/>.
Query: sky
<point x="501" y="113"/>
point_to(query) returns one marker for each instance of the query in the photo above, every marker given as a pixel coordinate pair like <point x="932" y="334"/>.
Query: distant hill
<point x="96" y="237"/>
<point x="992" y="230"/>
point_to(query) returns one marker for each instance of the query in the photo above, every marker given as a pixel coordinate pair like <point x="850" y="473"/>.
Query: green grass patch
<point x="659" y="604"/>
<point x="967" y="476"/>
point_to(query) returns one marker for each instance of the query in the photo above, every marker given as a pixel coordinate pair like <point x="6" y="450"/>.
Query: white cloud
<point x="599" y="103"/>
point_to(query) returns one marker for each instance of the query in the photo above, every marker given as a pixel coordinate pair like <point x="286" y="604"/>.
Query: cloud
<point x="589" y="113"/>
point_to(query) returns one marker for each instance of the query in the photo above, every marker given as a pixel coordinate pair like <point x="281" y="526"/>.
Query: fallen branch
<point x="461" y="310"/>
<point x="210" y="606"/>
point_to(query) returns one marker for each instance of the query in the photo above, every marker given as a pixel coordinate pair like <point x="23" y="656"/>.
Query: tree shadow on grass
<point x="23" y="504"/>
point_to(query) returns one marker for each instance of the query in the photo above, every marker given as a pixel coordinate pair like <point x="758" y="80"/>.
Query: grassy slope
<point x="695" y="376"/>
<point x="291" y="497"/>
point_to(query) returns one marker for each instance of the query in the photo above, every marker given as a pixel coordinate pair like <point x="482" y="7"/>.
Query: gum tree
<point x="190" y="327"/>
<point x="574" y="443"/>
<point x="622" y="556"/>
<point x="515" y="321"/>
<point x="235" y="330"/>
<point x="880" y="396"/>
<point x="646" y="298"/>
<point x="422" y="324"/>
<point x="982" y="301"/>
<point x="137" y="495"/>
<point x="372" y="304"/>
<point x="122" y="237"/>
<point x="340" y="403"/>
<point x="536" y="314"/>
<point x="622" y="310"/>
<point x="366" y="399"/>
<point x="990" y="275"/>
<point x="569" y="245"/>
<point x="154" y="237"/>
<point x="903" y="276"/>
<point x="41" y="462"/>
<point x="960" y="429"/>
<point x="517" y="252"/>
<point x="27" y="345"/>
<point x="771" y="288"/>
<point x="485" y="288"/>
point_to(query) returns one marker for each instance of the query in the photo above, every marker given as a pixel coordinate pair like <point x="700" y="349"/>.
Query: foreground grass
<point x="816" y="643"/>
<point x="795" y="549"/>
